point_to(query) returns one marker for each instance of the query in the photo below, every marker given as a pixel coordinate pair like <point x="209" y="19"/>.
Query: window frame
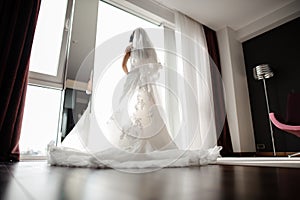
<point x="148" y="10"/>
<point x="40" y="79"/>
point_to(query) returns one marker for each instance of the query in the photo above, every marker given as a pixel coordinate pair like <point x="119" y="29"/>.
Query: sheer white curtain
<point x="191" y="113"/>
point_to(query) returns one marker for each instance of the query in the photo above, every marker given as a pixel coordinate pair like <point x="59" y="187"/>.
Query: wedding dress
<point x="143" y="128"/>
<point x="138" y="123"/>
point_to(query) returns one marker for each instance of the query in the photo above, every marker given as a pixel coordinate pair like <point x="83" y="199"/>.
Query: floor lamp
<point x="262" y="72"/>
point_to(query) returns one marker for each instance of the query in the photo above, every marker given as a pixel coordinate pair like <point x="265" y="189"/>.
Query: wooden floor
<point x="37" y="180"/>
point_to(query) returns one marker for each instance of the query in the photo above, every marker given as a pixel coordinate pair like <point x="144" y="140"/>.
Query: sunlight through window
<point x="40" y="120"/>
<point x="48" y="37"/>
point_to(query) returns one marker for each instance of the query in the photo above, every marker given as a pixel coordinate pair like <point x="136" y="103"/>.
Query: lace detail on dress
<point x="133" y="134"/>
<point x="140" y="105"/>
<point x="144" y="130"/>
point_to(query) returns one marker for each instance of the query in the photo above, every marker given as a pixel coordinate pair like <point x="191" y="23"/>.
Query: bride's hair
<point x="142" y="48"/>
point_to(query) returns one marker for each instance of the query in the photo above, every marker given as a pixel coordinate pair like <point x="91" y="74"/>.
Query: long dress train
<point x="144" y="140"/>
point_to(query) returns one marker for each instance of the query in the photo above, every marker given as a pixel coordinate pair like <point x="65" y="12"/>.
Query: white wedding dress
<point x="143" y="139"/>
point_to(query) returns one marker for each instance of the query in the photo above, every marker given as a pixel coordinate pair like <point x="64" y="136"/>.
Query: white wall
<point x="236" y="91"/>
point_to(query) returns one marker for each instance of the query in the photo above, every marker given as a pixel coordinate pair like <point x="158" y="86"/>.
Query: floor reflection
<point x="37" y="180"/>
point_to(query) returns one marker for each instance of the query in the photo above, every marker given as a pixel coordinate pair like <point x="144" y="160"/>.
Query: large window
<point x="113" y="21"/>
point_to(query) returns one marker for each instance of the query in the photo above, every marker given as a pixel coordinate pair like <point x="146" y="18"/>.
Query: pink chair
<point x="288" y="128"/>
<point x="292" y="122"/>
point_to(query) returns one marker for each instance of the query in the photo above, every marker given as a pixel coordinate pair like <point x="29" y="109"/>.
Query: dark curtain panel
<point x="220" y="113"/>
<point x="17" y="24"/>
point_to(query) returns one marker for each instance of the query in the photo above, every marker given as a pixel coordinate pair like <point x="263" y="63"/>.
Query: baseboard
<point x="272" y="161"/>
<point x="278" y="154"/>
<point x="257" y="154"/>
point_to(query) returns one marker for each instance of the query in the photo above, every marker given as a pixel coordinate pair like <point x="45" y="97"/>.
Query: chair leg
<point x="295" y="154"/>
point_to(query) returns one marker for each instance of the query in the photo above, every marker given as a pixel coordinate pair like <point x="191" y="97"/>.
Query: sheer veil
<point x="142" y="51"/>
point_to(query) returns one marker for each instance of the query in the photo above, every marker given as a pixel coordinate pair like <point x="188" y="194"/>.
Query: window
<point x="108" y="27"/>
<point x="40" y="120"/>
<point x="50" y="45"/>
<point x="121" y="22"/>
<point x="47" y="62"/>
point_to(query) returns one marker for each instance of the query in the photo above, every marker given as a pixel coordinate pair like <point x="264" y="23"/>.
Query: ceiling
<point x="236" y="14"/>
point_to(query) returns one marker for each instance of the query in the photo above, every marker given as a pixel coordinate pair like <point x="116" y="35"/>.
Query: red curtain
<point x="213" y="50"/>
<point x="17" y="24"/>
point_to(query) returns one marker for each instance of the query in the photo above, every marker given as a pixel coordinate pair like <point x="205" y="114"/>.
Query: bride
<point x="144" y="129"/>
<point x="137" y="121"/>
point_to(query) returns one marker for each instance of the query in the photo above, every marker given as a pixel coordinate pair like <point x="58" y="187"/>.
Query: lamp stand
<point x="271" y="129"/>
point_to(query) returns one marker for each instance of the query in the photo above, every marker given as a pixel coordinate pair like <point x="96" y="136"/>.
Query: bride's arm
<point x="126" y="57"/>
<point x="124" y="63"/>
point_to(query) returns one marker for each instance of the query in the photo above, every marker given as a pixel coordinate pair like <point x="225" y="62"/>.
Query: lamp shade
<point x="262" y="72"/>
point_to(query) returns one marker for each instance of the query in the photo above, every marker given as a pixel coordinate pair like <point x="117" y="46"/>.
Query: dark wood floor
<point x="37" y="180"/>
